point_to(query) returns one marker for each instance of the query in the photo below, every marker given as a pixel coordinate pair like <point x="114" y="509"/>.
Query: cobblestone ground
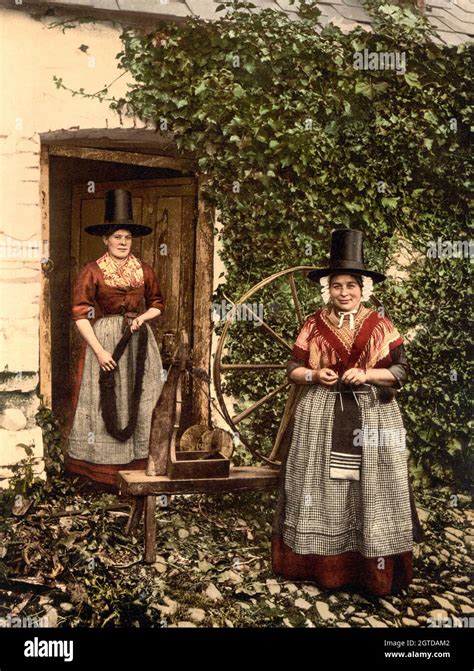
<point x="213" y="569"/>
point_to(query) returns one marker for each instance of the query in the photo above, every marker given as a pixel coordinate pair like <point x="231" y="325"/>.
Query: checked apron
<point x="345" y="532"/>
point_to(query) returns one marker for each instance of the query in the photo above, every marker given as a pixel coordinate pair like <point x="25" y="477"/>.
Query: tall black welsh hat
<point x="346" y="257"/>
<point x="118" y="214"/>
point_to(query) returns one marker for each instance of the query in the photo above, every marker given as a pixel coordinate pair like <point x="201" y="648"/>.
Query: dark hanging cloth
<point x="108" y="400"/>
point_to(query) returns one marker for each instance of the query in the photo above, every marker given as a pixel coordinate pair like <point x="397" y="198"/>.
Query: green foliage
<point x="294" y="141"/>
<point x="53" y="454"/>
<point x="24" y="485"/>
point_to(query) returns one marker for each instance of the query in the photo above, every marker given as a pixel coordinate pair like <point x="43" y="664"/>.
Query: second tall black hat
<point x="346" y="256"/>
<point x="118" y="214"/>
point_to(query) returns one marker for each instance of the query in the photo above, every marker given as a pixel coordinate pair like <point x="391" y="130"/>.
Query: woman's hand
<point x="136" y="323"/>
<point x="326" y="376"/>
<point x="105" y="359"/>
<point x="354" y="376"/>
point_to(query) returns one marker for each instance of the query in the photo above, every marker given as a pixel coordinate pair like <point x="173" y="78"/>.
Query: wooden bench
<point x="146" y="488"/>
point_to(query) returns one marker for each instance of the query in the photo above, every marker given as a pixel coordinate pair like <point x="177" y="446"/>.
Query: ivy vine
<point x="294" y="140"/>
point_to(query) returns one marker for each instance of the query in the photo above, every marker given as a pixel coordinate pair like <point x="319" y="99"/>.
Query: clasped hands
<point x="105" y="358"/>
<point x="135" y="325"/>
<point x="352" y="376"/>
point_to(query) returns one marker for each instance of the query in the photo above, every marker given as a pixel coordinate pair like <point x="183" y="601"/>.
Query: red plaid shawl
<point x="321" y="344"/>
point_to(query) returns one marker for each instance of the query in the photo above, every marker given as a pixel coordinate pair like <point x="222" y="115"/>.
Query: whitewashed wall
<point x="31" y="54"/>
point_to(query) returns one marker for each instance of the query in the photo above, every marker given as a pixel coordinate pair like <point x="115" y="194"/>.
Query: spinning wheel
<point x="256" y="398"/>
<point x="265" y="381"/>
<point x="263" y="424"/>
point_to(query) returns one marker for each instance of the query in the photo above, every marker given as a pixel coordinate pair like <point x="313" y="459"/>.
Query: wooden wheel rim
<point x="219" y="368"/>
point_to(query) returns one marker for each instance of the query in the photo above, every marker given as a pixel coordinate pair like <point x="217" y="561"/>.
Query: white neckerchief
<point x="351" y="318"/>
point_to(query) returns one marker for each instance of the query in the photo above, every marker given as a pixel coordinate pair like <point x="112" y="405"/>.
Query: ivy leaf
<point x="454" y="446"/>
<point x="429" y="116"/>
<point x="380" y="86"/>
<point x="391" y="203"/>
<point x="238" y="91"/>
<point x="365" y="89"/>
<point x="357" y="44"/>
<point x="411" y="79"/>
<point x="201" y="88"/>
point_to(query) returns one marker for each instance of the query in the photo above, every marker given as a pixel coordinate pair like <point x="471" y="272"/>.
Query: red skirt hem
<point x="105" y="474"/>
<point x="348" y="569"/>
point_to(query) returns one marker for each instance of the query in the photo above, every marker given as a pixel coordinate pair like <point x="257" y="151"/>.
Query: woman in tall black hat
<point x="120" y="375"/>
<point x="345" y="514"/>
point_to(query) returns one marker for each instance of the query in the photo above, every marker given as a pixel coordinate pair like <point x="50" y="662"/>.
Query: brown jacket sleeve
<point x="153" y="296"/>
<point x="292" y="363"/>
<point x="83" y="303"/>
<point x="399" y="368"/>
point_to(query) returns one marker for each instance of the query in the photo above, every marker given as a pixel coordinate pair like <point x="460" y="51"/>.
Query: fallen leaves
<point x="205" y="575"/>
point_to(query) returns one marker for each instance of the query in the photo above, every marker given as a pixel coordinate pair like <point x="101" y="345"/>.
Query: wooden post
<point x="44" y="301"/>
<point x="162" y="426"/>
<point x="202" y="309"/>
<point x="136" y="512"/>
<point x="150" y="530"/>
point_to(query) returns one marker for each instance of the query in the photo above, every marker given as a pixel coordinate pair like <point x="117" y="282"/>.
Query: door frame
<point x="203" y="268"/>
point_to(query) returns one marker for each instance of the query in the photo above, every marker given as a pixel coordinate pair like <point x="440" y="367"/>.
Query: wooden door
<point x="168" y="206"/>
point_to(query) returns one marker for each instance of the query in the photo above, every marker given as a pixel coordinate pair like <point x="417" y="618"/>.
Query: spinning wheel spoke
<point x="266" y="433"/>
<point x="294" y="294"/>
<point x="275" y="336"/>
<point x="263" y="325"/>
<point x="245" y="413"/>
